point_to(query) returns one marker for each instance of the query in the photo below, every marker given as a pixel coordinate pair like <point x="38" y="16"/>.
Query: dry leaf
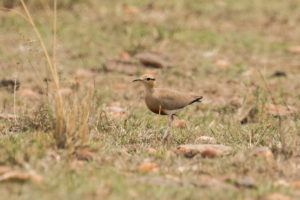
<point x="15" y="176"/>
<point x="8" y="116"/>
<point x="263" y="152"/>
<point x="65" y="91"/>
<point x="206" y="140"/>
<point x="208" y="181"/>
<point x="147" y="167"/>
<point x="84" y="73"/>
<point x="36" y="178"/>
<point x="222" y="63"/>
<point x="182" y="169"/>
<point x="4" y="169"/>
<point x="76" y="164"/>
<point x="187" y="152"/>
<point x="151" y="151"/>
<point x="85" y="154"/>
<point x="8" y="175"/>
<point x="132" y="10"/>
<point x="246" y="181"/>
<point x="170" y="154"/>
<point x="125" y="56"/>
<point x="276" y="196"/>
<point x="209" y="153"/>
<point x="293" y="49"/>
<point x="75" y="82"/>
<point x="121" y="86"/>
<point x="281" y="183"/>
<point x="116" y="112"/>
<point x="209" y="53"/>
<point x="280" y="109"/>
<point x="180" y="123"/>
<point x="296" y="185"/>
<point x="30" y="94"/>
<point x="206" y="150"/>
<point x="236" y="101"/>
<point x="104" y="192"/>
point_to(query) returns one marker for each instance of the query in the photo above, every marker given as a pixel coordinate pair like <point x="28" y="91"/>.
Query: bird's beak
<point x="137" y="80"/>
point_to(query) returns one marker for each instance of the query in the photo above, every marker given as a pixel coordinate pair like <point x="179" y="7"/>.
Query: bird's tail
<point x="197" y="99"/>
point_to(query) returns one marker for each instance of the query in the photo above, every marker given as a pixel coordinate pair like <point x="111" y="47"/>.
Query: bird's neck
<point x="149" y="89"/>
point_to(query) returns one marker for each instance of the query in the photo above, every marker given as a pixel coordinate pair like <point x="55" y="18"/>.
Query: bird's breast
<point x="154" y="105"/>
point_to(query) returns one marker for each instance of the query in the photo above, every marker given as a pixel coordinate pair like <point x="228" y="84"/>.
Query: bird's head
<point x="147" y="79"/>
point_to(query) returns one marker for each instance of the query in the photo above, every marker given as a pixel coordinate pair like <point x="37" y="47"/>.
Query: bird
<point x="164" y="101"/>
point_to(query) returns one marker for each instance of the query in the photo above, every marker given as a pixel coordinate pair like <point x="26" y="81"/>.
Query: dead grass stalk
<point x="281" y="132"/>
<point x="66" y="128"/>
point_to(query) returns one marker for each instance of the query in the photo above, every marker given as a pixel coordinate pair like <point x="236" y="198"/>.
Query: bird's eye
<point x="148" y="79"/>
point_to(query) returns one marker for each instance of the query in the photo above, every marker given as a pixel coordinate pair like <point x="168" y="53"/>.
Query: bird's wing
<point x="171" y="99"/>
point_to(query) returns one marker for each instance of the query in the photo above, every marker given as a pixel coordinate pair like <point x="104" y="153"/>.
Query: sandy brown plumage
<point x="169" y="101"/>
<point x="165" y="101"/>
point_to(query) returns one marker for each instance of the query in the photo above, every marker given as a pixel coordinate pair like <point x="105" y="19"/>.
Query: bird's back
<point x="170" y="100"/>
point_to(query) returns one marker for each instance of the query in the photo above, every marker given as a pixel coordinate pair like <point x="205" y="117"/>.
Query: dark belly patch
<point x="156" y="110"/>
<point x="154" y="107"/>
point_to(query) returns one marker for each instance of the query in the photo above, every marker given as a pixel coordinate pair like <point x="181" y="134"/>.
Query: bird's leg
<point x="159" y="111"/>
<point x="165" y="138"/>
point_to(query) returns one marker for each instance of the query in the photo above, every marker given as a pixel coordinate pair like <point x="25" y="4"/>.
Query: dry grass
<point x="64" y="128"/>
<point x="72" y="135"/>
